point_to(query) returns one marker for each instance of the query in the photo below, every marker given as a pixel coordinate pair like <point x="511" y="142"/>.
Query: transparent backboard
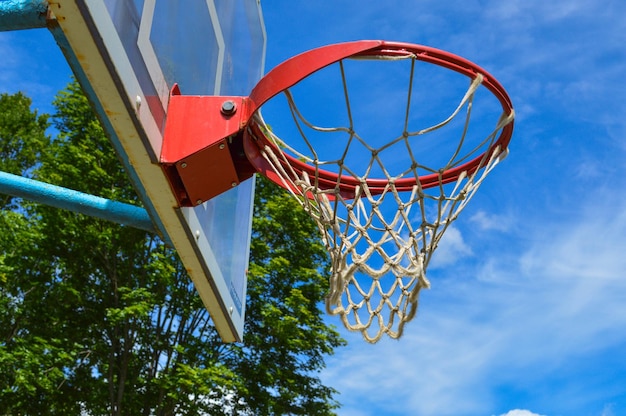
<point x="128" y="55"/>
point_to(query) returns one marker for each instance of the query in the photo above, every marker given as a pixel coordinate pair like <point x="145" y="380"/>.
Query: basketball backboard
<point x="128" y="55"/>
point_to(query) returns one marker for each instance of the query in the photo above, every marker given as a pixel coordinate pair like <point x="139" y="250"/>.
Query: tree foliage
<point x="98" y="318"/>
<point x="22" y="136"/>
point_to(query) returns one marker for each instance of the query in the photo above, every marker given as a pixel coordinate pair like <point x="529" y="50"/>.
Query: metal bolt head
<point x="183" y="165"/>
<point x="229" y="108"/>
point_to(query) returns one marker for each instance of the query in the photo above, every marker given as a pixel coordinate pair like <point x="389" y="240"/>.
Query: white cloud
<point x="485" y="221"/>
<point x="511" y="11"/>
<point x="608" y="410"/>
<point x="591" y="247"/>
<point x="518" y="412"/>
<point x="452" y="248"/>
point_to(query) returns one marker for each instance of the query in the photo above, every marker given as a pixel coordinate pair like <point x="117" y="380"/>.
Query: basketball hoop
<point x="381" y="205"/>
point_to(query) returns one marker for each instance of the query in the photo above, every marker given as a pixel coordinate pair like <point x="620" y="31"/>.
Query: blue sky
<point x="526" y="309"/>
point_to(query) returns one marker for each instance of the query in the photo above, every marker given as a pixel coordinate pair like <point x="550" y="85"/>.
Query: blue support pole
<point x="22" y="14"/>
<point x="59" y="197"/>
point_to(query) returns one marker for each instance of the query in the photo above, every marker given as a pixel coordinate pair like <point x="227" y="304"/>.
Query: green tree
<point x="97" y="318"/>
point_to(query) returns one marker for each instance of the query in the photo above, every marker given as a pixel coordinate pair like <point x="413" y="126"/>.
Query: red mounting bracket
<point x="202" y="154"/>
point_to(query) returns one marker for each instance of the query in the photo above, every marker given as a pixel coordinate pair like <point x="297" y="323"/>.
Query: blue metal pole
<point x="22" y="14"/>
<point x="76" y="201"/>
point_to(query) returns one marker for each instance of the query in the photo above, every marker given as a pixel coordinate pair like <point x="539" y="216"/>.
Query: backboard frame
<point x="108" y="79"/>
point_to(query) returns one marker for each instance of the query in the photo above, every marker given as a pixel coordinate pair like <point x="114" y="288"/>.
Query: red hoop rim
<point x="290" y="72"/>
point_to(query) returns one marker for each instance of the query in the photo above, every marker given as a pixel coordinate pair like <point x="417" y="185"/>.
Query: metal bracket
<point x="202" y="154"/>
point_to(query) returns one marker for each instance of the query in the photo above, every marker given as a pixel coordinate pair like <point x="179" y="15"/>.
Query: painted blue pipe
<point x="22" y="14"/>
<point x="75" y="201"/>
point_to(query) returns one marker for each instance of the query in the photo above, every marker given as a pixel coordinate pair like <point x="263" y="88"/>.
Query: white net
<point x="381" y="233"/>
